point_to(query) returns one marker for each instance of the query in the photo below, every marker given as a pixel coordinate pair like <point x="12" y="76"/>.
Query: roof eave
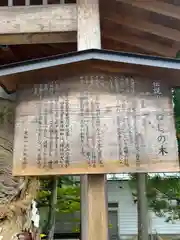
<point x="91" y="54"/>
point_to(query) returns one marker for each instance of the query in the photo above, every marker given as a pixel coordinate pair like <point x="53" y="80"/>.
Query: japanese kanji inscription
<point x="95" y="124"/>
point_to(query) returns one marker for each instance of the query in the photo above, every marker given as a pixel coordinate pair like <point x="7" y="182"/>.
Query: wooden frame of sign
<point x="95" y="124"/>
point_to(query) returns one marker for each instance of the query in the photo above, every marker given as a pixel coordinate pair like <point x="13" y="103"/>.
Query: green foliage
<point x="68" y="195"/>
<point x="178" y="54"/>
<point x="6" y="115"/>
<point x="176" y="100"/>
<point x="68" y="199"/>
<point x="163" y="195"/>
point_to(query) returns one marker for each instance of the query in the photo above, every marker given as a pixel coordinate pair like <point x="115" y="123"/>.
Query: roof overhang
<point x="118" y="62"/>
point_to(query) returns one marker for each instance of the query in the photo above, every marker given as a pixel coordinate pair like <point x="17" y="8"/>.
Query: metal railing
<point x="11" y="3"/>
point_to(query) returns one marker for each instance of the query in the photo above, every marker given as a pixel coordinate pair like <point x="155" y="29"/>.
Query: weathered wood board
<point x="95" y="124"/>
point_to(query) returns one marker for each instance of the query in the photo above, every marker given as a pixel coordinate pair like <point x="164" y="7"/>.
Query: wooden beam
<point x="89" y="35"/>
<point x="119" y="46"/>
<point x="144" y="26"/>
<point x="145" y="44"/>
<point x="34" y="38"/>
<point x="27" y="2"/>
<point x="10" y="3"/>
<point x="166" y="9"/>
<point x="94" y="219"/>
<point x="38" y="19"/>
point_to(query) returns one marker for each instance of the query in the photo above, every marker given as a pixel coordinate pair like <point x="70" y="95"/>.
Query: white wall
<point x="127" y="212"/>
<point x="127" y="209"/>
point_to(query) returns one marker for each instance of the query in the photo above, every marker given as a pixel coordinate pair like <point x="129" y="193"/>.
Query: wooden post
<point x="89" y="32"/>
<point x="10" y="3"/>
<point x="27" y="2"/>
<point x="142" y="207"/>
<point x="94" y="217"/>
<point x="45" y="2"/>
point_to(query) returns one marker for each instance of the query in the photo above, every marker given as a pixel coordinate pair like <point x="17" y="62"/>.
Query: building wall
<point x="120" y="192"/>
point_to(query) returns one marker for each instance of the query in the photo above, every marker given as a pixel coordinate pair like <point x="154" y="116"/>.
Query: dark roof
<point x="164" y="64"/>
<point x="91" y="54"/>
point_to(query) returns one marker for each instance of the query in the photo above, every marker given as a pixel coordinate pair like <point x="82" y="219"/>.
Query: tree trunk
<point x="52" y="211"/>
<point x="16" y="193"/>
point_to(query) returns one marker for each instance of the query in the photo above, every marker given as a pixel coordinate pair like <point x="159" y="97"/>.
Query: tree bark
<point x="52" y="209"/>
<point x="16" y="193"/>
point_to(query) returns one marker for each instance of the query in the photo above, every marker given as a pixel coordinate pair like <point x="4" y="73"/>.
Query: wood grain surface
<point x="38" y="19"/>
<point x="95" y="124"/>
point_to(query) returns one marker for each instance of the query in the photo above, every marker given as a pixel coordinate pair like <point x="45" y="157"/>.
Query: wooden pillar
<point x="142" y="206"/>
<point x="94" y="209"/>
<point x="89" y="32"/>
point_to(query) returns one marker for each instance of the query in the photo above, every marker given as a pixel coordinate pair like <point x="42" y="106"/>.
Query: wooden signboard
<point x="95" y="124"/>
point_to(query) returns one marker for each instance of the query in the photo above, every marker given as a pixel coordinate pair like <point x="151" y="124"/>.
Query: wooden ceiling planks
<point x="144" y="26"/>
<point x="124" y="47"/>
<point x="148" y="27"/>
<point x="156" y="6"/>
<point x="140" y="42"/>
<point x="175" y="2"/>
